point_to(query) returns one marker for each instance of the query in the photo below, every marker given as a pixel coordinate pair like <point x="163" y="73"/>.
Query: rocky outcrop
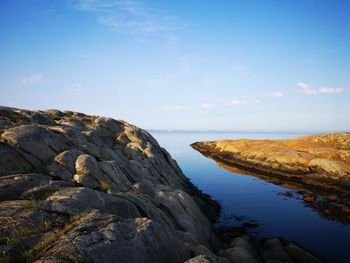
<point x="317" y="158"/>
<point x="75" y="187"/>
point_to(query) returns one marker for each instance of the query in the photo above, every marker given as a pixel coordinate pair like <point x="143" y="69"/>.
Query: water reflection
<point x="332" y="203"/>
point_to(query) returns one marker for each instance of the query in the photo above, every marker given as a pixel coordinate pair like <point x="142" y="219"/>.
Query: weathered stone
<point x="40" y="118"/>
<point x="68" y="159"/>
<point x="300" y="255"/>
<point x="12" y="186"/>
<point x="81" y="199"/>
<point x="116" y="177"/>
<point x="110" y="124"/>
<point x="272" y="243"/>
<point x="75" y="136"/>
<point x="11" y="162"/>
<point x="243" y="243"/>
<point x="185" y="211"/>
<point x="328" y="168"/>
<point x="43" y="191"/>
<point x="35" y="140"/>
<point x="276" y="253"/>
<point x="223" y="260"/>
<point x="200" y="259"/>
<point x="55" y="113"/>
<point x="87" y="171"/>
<point x="238" y="255"/>
<point x="204" y="251"/>
<point x="105" y="238"/>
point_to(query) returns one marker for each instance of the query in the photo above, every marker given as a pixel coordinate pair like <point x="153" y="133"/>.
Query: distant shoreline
<point x="249" y="131"/>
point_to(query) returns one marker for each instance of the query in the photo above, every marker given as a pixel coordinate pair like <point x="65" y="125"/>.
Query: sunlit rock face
<point x="324" y="158"/>
<point x="81" y="188"/>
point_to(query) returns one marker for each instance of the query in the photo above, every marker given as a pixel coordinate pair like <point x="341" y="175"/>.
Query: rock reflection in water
<point x="331" y="203"/>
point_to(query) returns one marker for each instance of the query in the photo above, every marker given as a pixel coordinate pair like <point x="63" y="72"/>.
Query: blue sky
<point x="185" y="64"/>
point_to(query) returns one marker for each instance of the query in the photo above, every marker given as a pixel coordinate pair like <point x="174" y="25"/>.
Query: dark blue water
<point x="257" y="200"/>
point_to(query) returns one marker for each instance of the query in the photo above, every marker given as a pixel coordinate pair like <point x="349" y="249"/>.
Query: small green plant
<point x="20" y="119"/>
<point x="8" y="241"/>
<point x="55" y="117"/>
<point x="28" y="255"/>
<point x="19" y="233"/>
<point x="46" y="242"/>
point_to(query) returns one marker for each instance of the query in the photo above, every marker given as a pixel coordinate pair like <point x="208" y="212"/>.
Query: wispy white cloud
<point x="35" y="78"/>
<point x="206" y="105"/>
<point x="277" y="93"/>
<point x="307" y="89"/>
<point x="331" y="90"/>
<point x="176" y="107"/>
<point x="133" y="16"/>
<point x="237" y="102"/>
<point x="77" y="88"/>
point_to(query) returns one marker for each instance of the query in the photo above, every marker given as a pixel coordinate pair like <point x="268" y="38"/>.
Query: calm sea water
<point x="256" y="200"/>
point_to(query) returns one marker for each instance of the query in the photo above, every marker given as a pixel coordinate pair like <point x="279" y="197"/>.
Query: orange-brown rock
<point x="317" y="159"/>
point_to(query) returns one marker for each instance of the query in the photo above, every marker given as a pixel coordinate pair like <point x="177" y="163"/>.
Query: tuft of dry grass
<point x="30" y="204"/>
<point x="53" y="237"/>
<point x="105" y="186"/>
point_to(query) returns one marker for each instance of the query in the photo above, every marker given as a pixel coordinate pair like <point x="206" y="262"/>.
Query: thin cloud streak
<point x="206" y="105"/>
<point x="329" y="90"/>
<point x="308" y="90"/>
<point x="35" y="78"/>
<point x="277" y="93"/>
<point x="237" y="102"/>
<point x="176" y="107"/>
<point x="130" y="16"/>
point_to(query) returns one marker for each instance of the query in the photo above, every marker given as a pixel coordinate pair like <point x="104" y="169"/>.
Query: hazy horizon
<point x="181" y="65"/>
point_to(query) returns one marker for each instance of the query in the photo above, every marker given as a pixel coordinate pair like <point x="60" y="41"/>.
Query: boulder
<point x="11" y="162"/>
<point x="200" y="259"/>
<point x="299" y="255"/>
<point x="238" y="255"/>
<point x="35" y="140"/>
<point x="12" y="186"/>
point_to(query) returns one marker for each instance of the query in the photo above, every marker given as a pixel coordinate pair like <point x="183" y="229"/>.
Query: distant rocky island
<point x="317" y="165"/>
<point x="82" y="188"/>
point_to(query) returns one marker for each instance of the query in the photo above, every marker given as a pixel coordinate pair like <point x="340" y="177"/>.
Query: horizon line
<point x="248" y="131"/>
